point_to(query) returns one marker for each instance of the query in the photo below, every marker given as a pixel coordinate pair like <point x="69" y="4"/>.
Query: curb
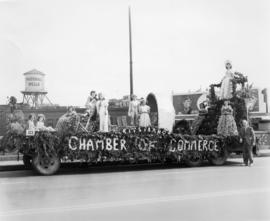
<point x="4" y="168"/>
<point x="8" y="157"/>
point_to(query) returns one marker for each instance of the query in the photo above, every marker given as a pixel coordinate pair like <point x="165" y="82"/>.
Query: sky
<point x="178" y="45"/>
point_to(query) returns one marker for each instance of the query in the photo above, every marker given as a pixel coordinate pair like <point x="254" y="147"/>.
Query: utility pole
<point x="130" y="55"/>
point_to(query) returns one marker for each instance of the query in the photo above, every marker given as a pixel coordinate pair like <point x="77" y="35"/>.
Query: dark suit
<point x="248" y="137"/>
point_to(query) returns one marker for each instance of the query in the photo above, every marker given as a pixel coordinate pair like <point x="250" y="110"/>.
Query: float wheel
<point x="218" y="158"/>
<point x="46" y="163"/>
<point x="27" y="161"/>
<point x="193" y="159"/>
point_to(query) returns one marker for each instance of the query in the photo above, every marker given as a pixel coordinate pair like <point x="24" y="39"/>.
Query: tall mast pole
<point x="130" y="55"/>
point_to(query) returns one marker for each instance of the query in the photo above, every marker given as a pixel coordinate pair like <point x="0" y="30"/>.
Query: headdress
<point x="228" y="62"/>
<point x="41" y="115"/>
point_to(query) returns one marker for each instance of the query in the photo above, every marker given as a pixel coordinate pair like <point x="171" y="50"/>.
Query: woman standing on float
<point x="144" y="111"/>
<point x="102" y="110"/>
<point x="226" y="83"/>
<point x="226" y="123"/>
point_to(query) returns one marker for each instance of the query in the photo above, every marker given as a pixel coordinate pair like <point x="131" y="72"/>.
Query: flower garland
<point x="132" y="145"/>
<point x="29" y="145"/>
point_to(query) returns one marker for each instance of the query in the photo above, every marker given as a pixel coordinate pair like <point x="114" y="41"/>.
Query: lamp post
<point x="130" y="55"/>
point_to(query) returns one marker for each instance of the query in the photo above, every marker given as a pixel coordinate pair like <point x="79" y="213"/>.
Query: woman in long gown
<point x="226" y="123"/>
<point x="226" y="83"/>
<point x="102" y="110"/>
<point x="144" y="111"/>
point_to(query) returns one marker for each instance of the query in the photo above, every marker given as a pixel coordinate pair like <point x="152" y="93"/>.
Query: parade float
<point x="168" y="140"/>
<point x="176" y="136"/>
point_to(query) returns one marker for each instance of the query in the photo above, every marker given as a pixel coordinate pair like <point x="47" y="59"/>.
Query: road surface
<point x="229" y="192"/>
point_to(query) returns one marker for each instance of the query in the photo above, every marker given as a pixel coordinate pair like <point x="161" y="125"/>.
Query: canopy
<point x="161" y="108"/>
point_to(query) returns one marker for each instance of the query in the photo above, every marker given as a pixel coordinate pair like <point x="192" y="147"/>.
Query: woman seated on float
<point x="31" y="123"/>
<point x="40" y="124"/>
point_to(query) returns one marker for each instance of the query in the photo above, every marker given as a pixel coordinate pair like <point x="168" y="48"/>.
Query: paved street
<point x="230" y="192"/>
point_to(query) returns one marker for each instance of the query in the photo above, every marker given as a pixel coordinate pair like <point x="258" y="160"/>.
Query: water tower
<point x="34" y="93"/>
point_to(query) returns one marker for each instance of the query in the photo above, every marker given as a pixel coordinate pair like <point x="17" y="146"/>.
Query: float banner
<point x="143" y="143"/>
<point x="208" y="145"/>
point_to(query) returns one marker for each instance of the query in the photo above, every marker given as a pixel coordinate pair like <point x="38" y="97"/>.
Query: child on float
<point x="40" y="124"/>
<point x="31" y="122"/>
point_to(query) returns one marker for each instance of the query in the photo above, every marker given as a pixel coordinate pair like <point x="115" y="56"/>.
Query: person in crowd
<point x="102" y="110"/>
<point x="133" y="110"/>
<point x="226" y="82"/>
<point x="144" y="111"/>
<point x="226" y="123"/>
<point x="40" y="124"/>
<point x="247" y="139"/>
<point x="187" y="106"/>
<point x="31" y="123"/>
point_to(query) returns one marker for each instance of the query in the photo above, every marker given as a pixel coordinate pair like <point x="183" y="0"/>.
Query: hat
<point x="228" y="62"/>
<point x="41" y="115"/>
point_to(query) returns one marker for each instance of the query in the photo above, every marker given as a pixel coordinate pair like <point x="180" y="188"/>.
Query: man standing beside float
<point x="247" y="139"/>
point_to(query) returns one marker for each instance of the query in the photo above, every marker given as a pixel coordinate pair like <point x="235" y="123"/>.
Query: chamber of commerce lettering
<point x="141" y="143"/>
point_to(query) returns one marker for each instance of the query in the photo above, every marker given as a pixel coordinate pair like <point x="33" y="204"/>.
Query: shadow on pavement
<point x="69" y="168"/>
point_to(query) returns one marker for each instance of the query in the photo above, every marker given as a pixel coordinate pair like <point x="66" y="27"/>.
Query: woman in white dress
<point x="30" y="122"/>
<point x="40" y="124"/>
<point x="226" y="83"/>
<point x="144" y="111"/>
<point x="102" y="110"/>
<point x="133" y="110"/>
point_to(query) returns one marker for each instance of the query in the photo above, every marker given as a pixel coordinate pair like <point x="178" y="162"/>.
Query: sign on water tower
<point x="34" y="81"/>
<point x="34" y="93"/>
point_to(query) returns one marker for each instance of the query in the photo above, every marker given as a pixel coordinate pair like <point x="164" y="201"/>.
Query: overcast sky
<point x="178" y="45"/>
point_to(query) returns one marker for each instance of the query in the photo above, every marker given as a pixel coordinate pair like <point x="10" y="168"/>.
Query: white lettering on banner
<point x="109" y="144"/>
<point x="82" y="144"/>
<point x="193" y="145"/>
<point x="205" y="145"/>
<point x="200" y="144"/>
<point x="180" y="145"/>
<point x="187" y="145"/>
<point x="216" y="147"/>
<point x="210" y="145"/>
<point x="99" y="143"/>
<point x="143" y="144"/>
<point x="115" y="143"/>
<point x="90" y="145"/>
<point x="152" y="144"/>
<point x="123" y="144"/>
<point x="70" y="143"/>
<point x="172" y="145"/>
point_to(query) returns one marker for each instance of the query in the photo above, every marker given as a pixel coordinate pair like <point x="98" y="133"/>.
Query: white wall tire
<point x="46" y="164"/>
